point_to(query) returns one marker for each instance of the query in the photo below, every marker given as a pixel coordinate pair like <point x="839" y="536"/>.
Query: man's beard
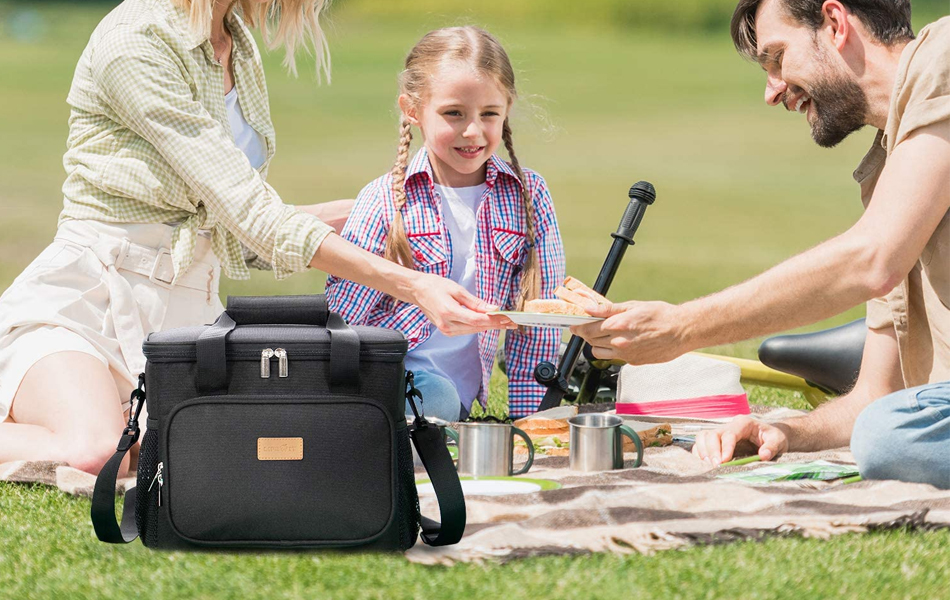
<point x="840" y="106"/>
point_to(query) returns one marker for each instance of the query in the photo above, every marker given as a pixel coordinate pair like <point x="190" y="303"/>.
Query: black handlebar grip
<point x="642" y="194"/>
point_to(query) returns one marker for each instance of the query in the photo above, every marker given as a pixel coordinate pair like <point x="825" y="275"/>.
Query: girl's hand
<point x="453" y="309"/>
<point x="333" y="213"/>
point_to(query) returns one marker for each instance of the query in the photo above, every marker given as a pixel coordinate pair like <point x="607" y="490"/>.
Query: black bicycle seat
<point x="829" y="359"/>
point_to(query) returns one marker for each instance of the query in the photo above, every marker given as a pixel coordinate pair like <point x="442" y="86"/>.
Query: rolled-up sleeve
<point x="144" y="83"/>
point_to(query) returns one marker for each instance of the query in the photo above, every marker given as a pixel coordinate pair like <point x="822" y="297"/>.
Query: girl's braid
<point x="397" y="242"/>
<point x="531" y="271"/>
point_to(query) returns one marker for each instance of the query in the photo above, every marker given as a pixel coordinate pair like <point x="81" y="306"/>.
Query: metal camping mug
<point x="596" y="444"/>
<point x="485" y="449"/>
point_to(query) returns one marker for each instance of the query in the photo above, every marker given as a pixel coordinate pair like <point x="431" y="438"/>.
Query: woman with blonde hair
<point x="169" y="142"/>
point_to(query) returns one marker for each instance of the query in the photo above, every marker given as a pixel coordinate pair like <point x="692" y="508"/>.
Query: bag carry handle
<point x="279" y="310"/>
<point x="427" y="438"/>
<point x="283" y="310"/>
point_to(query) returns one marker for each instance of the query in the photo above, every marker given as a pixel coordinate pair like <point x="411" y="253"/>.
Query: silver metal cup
<point x="596" y="444"/>
<point x="485" y="449"/>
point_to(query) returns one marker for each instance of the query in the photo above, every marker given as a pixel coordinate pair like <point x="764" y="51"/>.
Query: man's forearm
<point x="829" y="426"/>
<point x="812" y="286"/>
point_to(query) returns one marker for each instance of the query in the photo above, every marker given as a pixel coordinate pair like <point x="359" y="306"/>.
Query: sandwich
<point x="573" y="297"/>
<point x="549" y="432"/>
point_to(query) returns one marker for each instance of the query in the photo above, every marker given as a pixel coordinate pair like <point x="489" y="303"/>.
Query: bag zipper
<point x="187" y="351"/>
<point x="159" y="477"/>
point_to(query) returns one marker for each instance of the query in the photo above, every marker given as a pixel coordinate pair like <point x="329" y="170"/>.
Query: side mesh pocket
<point x="146" y="502"/>
<point x="407" y="507"/>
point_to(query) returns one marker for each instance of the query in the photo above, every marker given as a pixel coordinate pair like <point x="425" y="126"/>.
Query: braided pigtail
<point x="531" y="271"/>
<point x="397" y="242"/>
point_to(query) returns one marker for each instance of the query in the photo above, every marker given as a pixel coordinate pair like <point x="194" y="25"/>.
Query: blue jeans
<point x="906" y="436"/>
<point x="439" y="397"/>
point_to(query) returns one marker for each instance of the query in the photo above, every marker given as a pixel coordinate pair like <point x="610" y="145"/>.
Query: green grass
<point x="740" y="188"/>
<point x="42" y="558"/>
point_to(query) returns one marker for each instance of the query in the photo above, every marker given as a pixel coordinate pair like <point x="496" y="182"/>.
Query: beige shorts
<point x="100" y="289"/>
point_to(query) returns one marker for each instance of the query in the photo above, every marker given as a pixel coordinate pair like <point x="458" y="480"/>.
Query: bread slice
<point x="573" y="298"/>
<point x="554" y="307"/>
<point x="552" y="418"/>
<point x="577" y="286"/>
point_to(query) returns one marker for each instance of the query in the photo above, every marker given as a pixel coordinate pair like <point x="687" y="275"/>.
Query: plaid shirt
<point x="150" y="142"/>
<point x="499" y="255"/>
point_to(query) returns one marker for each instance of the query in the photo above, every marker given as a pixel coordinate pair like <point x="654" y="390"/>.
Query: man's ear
<point x="408" y="109"/>
<point x="836" y="24"/>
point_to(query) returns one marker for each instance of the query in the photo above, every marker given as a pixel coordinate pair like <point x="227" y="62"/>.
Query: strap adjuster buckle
<point x="156" y="275"/>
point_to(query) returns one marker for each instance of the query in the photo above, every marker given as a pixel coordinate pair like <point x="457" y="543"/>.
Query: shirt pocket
<point x="508" y="255"/>
<point x="509" y="246"/>
<point x="429" y="252"/>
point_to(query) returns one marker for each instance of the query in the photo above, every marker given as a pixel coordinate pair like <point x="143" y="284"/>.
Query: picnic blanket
<point x="673" y="500"/>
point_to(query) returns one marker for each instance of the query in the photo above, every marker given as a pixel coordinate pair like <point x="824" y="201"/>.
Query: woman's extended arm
<point x="447" y="304"/>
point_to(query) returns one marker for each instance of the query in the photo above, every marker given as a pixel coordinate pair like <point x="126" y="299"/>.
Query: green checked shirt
<point x="150" y="142"/>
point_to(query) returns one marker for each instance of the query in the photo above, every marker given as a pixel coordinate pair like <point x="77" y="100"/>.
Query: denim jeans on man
<point x="906" y="436"/>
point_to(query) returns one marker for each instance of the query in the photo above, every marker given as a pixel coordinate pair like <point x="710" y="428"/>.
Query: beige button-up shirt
<point x="918" y="308"/>
<point x="150" y="142"/>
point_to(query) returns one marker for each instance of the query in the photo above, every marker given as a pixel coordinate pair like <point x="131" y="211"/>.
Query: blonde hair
<point x="289" y="23"/>
<point x="479" y="49"/>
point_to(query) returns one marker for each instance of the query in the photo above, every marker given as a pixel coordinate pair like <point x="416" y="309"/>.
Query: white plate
<point x="487" y="487"/>
<point x="530" y="319"/>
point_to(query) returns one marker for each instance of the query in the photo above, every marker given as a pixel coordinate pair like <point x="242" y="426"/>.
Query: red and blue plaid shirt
<point x="499" y="254"/>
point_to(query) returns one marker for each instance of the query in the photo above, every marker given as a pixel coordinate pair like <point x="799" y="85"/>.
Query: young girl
<point x="458" y="210"/>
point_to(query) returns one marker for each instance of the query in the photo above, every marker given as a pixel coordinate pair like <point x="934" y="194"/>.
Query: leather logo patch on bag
<point x="280" y="448"/>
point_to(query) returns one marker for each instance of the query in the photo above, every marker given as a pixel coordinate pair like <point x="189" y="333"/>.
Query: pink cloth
<point x="704" y="407"/>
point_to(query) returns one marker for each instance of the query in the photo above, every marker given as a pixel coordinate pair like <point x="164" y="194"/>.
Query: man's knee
<point x="903" y="436"/>
<point x="874" y="438"/>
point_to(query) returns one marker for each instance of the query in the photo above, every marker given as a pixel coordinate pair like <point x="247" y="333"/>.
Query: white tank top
<point x="246" y="137"/>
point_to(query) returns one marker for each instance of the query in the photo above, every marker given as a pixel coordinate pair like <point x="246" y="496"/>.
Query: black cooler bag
<point x="278" y="427"/>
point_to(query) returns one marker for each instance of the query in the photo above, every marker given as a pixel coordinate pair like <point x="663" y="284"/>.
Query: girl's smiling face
<point x="461" y="119"/>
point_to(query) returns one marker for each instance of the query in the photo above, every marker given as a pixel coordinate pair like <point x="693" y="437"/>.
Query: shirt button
<point x="515" y="255"/>
<point x="418" y="255"/>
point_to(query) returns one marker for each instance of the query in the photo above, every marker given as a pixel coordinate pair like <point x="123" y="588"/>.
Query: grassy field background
<point x="740" y="186"/>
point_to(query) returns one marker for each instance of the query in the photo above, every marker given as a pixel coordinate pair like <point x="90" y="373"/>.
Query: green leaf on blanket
<point x="820" y="470"/>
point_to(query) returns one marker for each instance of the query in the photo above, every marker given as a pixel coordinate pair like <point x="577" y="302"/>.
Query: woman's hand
<point x="447" y="304"/>
<point x="334" y="213"/>
<point x="452" y="308"/>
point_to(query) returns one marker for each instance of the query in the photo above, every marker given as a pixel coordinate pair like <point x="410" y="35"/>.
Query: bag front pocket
<point x="281" y="471"/>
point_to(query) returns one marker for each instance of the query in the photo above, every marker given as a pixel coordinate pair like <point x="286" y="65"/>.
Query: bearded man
<point x="843" y="64"/>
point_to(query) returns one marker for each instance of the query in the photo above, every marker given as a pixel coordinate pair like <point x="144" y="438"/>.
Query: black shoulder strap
<point x="430" y="444"/>
<point x="103" y="495"/>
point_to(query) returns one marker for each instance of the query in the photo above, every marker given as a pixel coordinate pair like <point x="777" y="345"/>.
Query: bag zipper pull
<point x="266" y="355"/>
<point x="282" y="367"/>
<point x="161" y="481"/>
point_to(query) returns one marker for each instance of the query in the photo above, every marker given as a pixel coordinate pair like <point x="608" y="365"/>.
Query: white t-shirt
<point x="456" y="358"/>
<point x="246" y="137"/>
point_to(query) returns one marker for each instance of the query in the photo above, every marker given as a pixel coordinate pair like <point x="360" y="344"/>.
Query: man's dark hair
<point x="887" y="20"/>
